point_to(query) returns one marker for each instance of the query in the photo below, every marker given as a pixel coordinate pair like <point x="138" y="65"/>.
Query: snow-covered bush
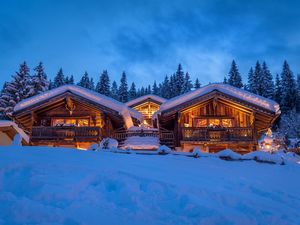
<point x="228" y="154"/>
<point x="163" y="149"/>
<point x="266" y="157"/>
<point x="108" y="143"/>
<point x="198" y="153"/>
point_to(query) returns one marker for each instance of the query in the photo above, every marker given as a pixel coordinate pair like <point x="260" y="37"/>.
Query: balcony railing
<point x="217" y="134"/>
<point x="65" y="133"/>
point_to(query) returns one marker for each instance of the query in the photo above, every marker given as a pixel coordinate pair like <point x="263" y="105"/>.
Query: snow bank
<point x="62" y="186"/>
<point x="228" y="154"/>
<point x="137" y="142"/>
<point x="8" y="123"/>
<point x="108" y="143"/>
<point x="226" y="89"/>
<point x="262" y="156"/>
<point x="145" y="97"/>
<point x="108" y="102"/>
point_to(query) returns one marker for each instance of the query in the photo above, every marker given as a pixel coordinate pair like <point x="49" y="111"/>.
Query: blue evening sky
<point x="148" y="39"/>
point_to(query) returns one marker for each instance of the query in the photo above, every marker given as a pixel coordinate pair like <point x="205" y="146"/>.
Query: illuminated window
<point x="58" y="122"/>
<point x="226" y="122"/>
<point x="201" y="122"/>
<point x="83" y="122"/>
<point x="214" y="122"/>
<point x="70" y="122"/>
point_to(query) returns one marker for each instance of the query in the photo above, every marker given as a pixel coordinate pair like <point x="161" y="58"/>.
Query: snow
<point x="142" y="127"/>
<point x="145" y="97"/>
<point x="226" y="89"/>
<point x="62" y="186"/>
<point x="108" y="143"/>
<point x="8" y="123"/>
<point x="137" y="142"/>
<point x="108" y="102"/>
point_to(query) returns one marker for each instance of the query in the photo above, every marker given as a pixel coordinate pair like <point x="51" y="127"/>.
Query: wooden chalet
<point x="72" y="116"/>
<point x="147" y="105"/>
<point x="216" y="117"/>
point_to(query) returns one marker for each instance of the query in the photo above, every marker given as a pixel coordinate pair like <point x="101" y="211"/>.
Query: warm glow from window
<point x="226" y="122"/>
<point x="214" y="122"/>
<point x="70" y="122"/>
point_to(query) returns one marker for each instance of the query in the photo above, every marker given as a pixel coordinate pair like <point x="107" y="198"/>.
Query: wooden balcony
<point x="66" y="133"/>
<point x="217" y="134"/>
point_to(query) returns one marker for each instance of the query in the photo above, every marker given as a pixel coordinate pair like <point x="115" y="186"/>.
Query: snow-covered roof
<point x="8" y="123"/>
<point x="238" y="93"/>
<point x="108" y="102"/>
<point x="145" y="97"/>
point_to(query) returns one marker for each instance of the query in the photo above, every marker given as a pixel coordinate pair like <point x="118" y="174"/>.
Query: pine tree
<point x="250" y="85"/>
<point x="92" y="84"/>
<point x="267" y="83"/>
<point x="298" y="93"/>
<point x="123" y="89"/>
<point x="143" y="92"/>
<point x="197" y="84"/>
<point x="187" y="85"/>
<point x="173" y="86"/>
<point x="114" y="90"/>
<point x="148" y="90"/>
<point x="165" y="89"/>
<point x="256" y="87"/>
<point x="103" y="86"/>
<point x="155" y="88"/>
<point x="71" y="80"/>
<point x="278" y="89"/>
<point x="59" y="79"/>
<point x="85" y="81"/>
<point x="20" y="88"/>
<point x="51" y="85"/>
<point x="234" y="77"/>
<point x="289" y="92"/>
<point x="132" y="91"/>
<point x="4" y="99"/>
<point x="225" y="80"/>
<point x="39" y="80"/>
<point x="178" y="81"/>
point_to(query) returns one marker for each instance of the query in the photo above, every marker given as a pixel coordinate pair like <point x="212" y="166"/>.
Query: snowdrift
<point x="62" y="186"/>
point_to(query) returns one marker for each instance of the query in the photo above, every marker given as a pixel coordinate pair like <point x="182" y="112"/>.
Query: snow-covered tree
<point x="187" y="84"/>
<point x="18" y="89"/>
<point x="59" y="79"/>
<point x="155" y="89"/>
<point x="178" y="81"/>
<point x="39" y="80"/>
<point x="132" y="91"/>
<point x="290" y="124"/>
<point x="92" y="84"/>
<point x="103" y="86"/>
<point x="197" y="84"/>
<point x="234" y="77"/>
<point x="165" y="88"/>
<point x="289" y="92"/>
<point x="250" y="85"/>
<point x="69" y="80"/>
<point x="114" y="91"/>
<point x="278" y="89"/>
<point x="85" y="81"/>
<point x="123" y="88"/>
<point x="267" y="84"/>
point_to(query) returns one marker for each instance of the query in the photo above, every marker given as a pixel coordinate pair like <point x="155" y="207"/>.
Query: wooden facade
<point x="216" y="121"/>
<point x="68" y="120"/>
<point x="147" y="106"/>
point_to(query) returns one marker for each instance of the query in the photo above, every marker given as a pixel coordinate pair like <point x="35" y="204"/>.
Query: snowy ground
<point x="59" y="186"/>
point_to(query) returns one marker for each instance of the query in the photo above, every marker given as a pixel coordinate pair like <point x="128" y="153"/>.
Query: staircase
<point x="167" y="138"/>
